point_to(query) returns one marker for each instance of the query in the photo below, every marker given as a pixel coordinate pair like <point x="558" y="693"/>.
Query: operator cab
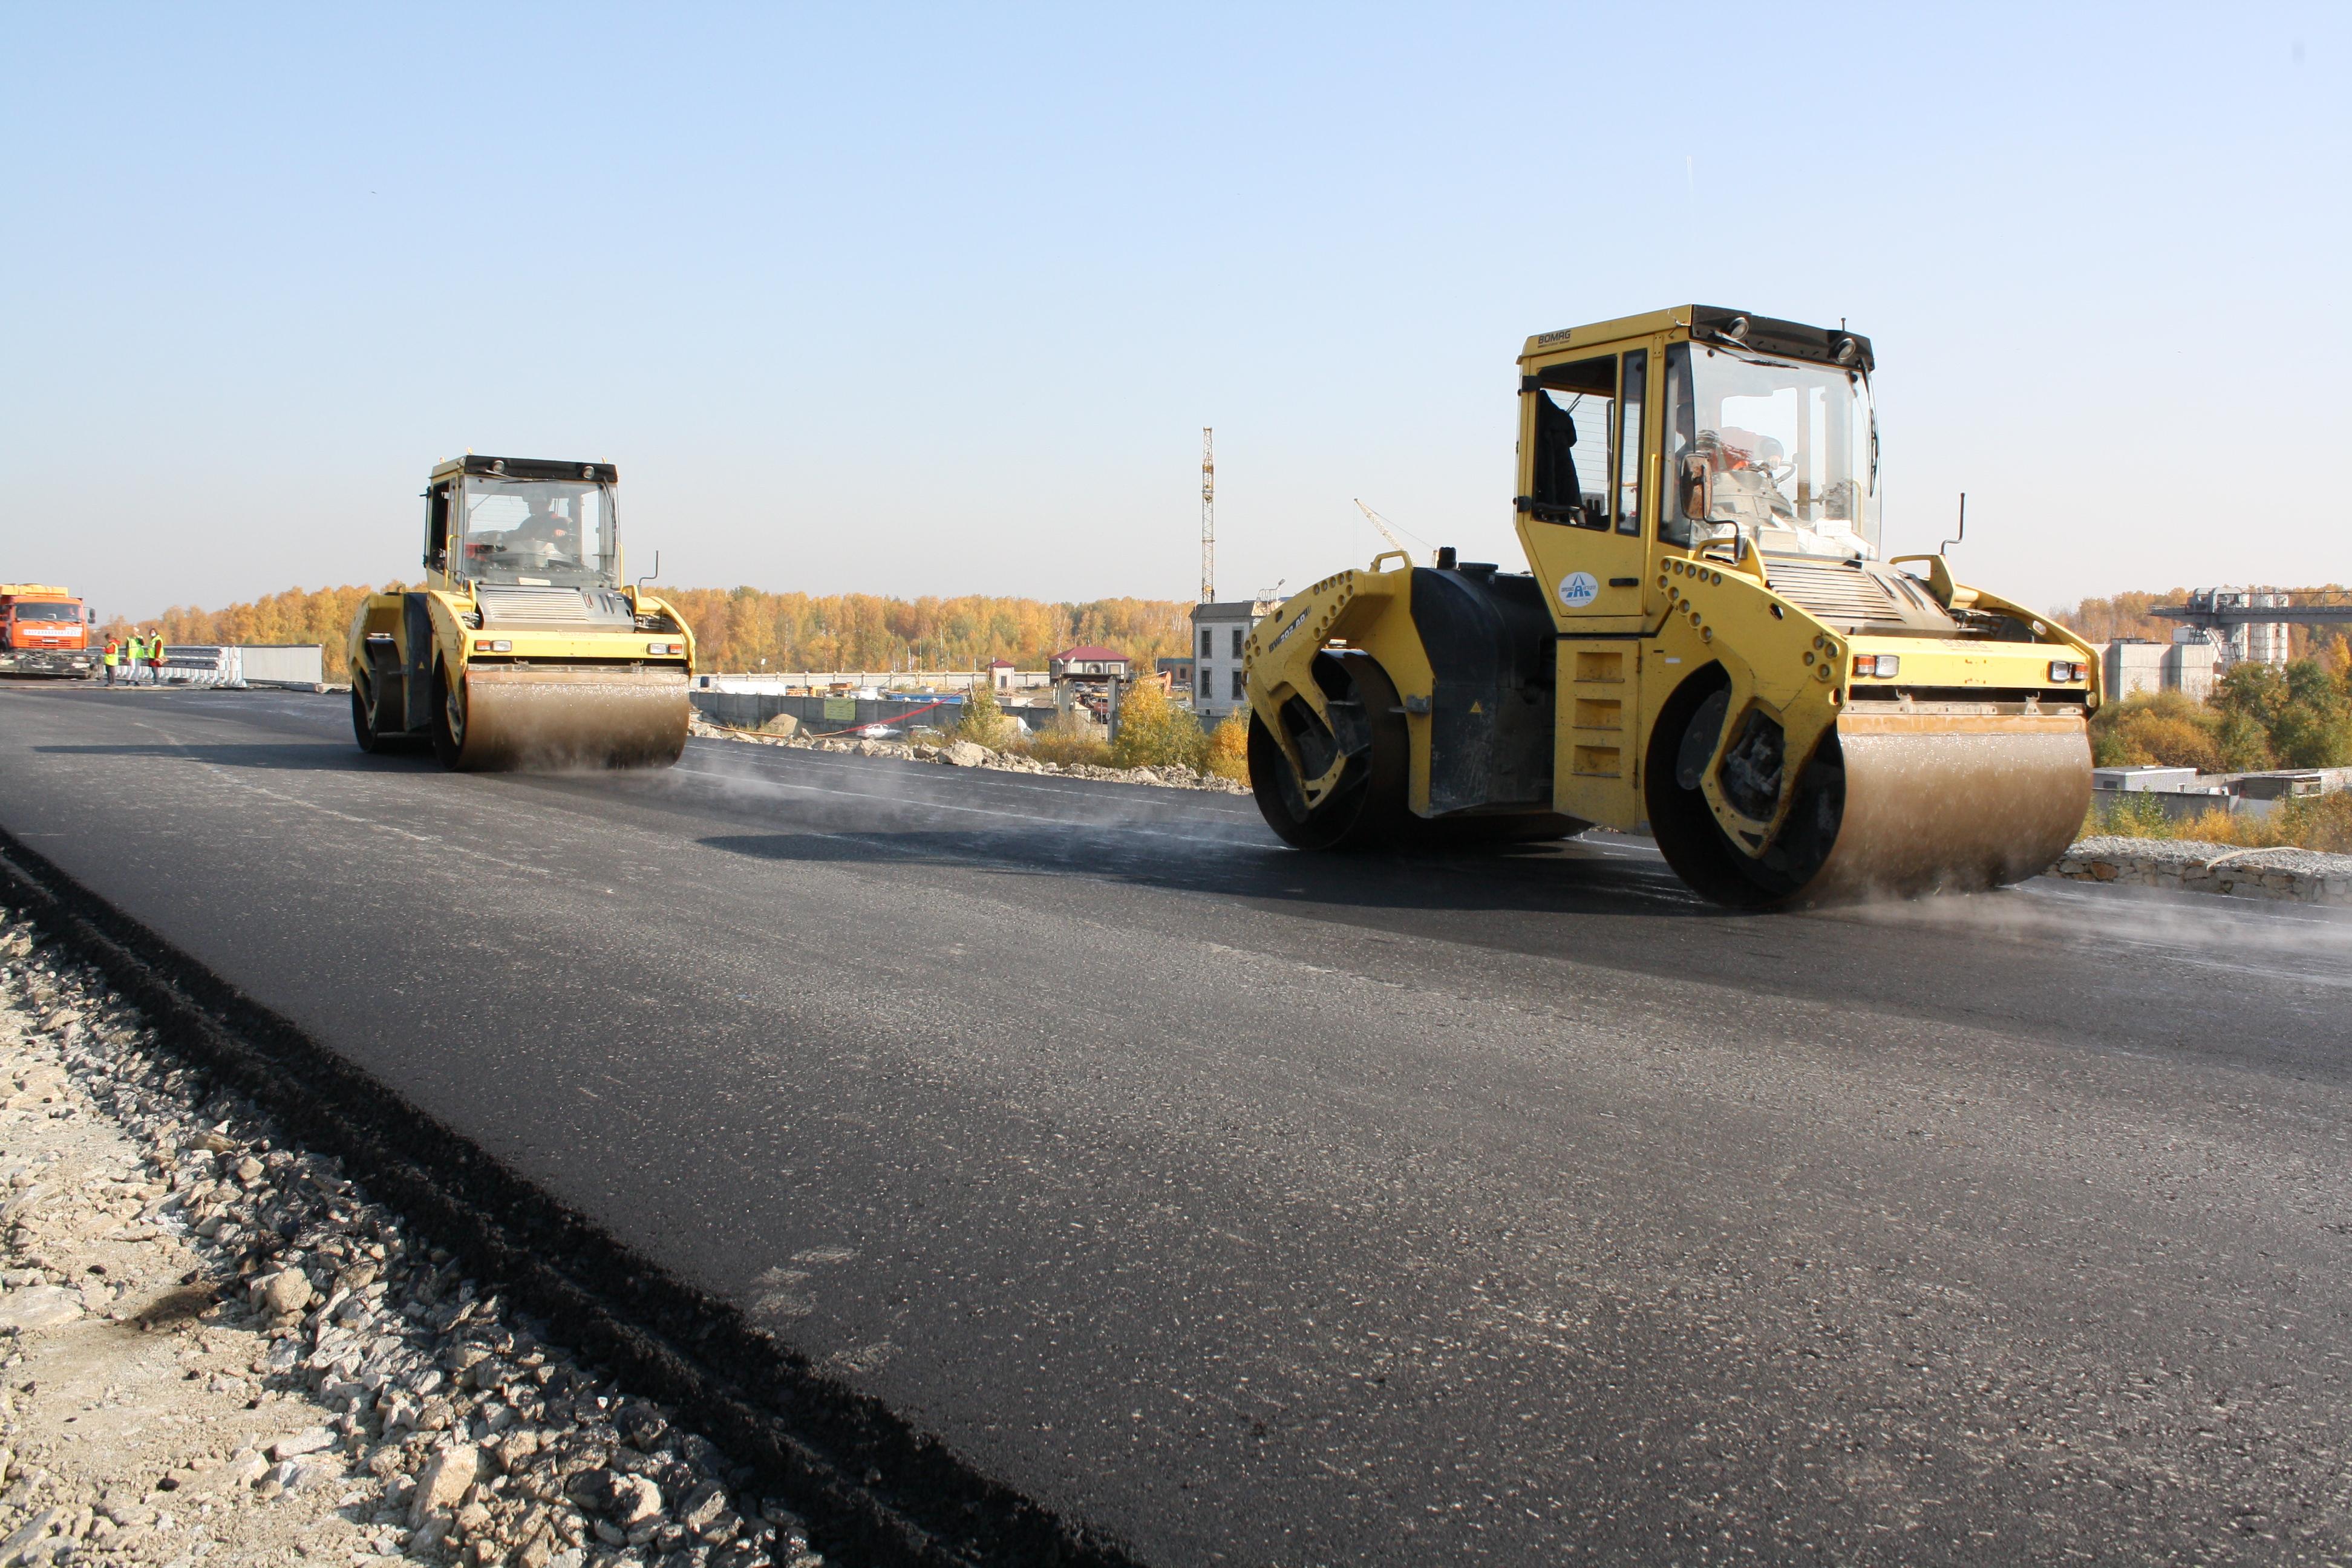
<point x="1703" y="432"/>
<point x="1771" y="440"/>
<point x="523" y="522"/>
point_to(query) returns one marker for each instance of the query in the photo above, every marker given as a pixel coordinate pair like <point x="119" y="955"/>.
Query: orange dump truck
<point x="44" y="630"/>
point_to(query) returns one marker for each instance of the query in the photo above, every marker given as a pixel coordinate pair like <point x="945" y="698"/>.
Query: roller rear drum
<point x="1367" y="807"/>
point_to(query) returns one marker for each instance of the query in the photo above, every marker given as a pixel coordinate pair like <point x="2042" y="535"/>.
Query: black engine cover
<point x="1490" y="643"/>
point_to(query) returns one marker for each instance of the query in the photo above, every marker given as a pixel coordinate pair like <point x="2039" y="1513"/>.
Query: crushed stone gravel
<point x="214" y="1347"/>
<point x="2203" y="852"/>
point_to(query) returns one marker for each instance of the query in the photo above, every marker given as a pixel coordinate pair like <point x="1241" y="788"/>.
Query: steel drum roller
<point x="1950" y="801"/>
<point x="530" y="716"/>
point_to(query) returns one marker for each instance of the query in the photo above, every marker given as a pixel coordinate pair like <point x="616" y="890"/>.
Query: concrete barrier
<point x="300" y="665"/>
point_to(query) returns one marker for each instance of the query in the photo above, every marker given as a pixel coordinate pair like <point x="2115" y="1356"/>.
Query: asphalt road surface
<point x="1268" y="1209"/>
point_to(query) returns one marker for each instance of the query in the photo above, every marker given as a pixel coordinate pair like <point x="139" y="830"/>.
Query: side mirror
<point x="1697" y="487"/>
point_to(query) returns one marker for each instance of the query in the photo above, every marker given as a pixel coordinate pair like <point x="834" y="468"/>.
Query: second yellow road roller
<point x="527" y="647"/>
<point x="1707" y="643"/>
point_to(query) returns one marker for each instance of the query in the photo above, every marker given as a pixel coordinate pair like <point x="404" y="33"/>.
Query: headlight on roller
<point x="668" y="647"/>
<point x="2061" y="672"/>
<point x="1882" y="664"/>
<point x="488" y="644"/>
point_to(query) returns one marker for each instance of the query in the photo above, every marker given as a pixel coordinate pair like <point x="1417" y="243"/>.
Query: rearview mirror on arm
<point x="1697" y="487"/>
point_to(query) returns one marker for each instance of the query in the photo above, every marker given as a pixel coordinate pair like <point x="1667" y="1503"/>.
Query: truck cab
<point x="44" y="630"/>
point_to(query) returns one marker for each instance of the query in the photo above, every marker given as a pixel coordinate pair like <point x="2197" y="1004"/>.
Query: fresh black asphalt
<point x="1268" y="1209"/>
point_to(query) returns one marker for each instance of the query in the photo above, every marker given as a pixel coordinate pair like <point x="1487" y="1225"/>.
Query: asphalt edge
<point x="872" y="1486"/>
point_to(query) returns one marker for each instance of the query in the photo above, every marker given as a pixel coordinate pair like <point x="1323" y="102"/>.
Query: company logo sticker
<point x="1578" y="589"/>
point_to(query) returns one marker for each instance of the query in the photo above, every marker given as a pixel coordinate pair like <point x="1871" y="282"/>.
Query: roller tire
<point x="1369" y="810"/>
<point x="1693" y="842"/>
<point x="363" y="723"/>
<point x="371" y="740"/>
<point x="448" y="720"/>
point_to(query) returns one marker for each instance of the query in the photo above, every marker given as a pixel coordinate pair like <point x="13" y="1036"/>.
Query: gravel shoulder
<point x="2203" y="852"/>
<point x="213" y="1346"/>
<point x="2200" y="866"/>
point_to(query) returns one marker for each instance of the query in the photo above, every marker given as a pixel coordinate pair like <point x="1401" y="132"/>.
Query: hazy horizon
<point x="913" y="303"/>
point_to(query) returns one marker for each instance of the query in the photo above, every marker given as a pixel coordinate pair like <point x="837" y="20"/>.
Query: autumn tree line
<point x="2260" y="718"/>
<point x="2133" y="615"/>
<point x="741" y="629"/>
<point x="738" y="628"/>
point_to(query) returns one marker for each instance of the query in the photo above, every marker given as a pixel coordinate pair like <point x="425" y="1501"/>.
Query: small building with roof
<point x="1090" y="662"/>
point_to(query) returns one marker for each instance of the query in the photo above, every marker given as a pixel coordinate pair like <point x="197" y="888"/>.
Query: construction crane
<point x="1388" y="530"/>
<point x="1208" y="515"/>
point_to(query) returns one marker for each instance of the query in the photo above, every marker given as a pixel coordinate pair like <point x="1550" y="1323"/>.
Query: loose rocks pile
<point x="971" y="754"/>
<point x="213" y="1345"/>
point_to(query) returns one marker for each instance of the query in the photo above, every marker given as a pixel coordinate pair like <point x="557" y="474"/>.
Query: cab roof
<point x="1765" y="334"/>
<point x="528" y="469"/>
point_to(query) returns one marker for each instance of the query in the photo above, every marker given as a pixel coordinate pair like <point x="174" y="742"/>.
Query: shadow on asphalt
<point x="1521" y="880"/>
<point x="303" y="757"/>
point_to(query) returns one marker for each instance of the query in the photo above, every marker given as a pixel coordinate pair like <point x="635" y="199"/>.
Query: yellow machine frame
<point x="1654" y="613"/>
<point x="556" y="694"/>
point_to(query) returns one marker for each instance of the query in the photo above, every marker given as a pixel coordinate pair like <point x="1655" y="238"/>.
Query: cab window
<point x="437" y="528"/>
<point x="1576" y="414"/>
<point x="1629" y="442"/>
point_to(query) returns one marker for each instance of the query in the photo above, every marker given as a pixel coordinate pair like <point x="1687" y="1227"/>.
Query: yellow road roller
<point x="1707" y="643"/>
<point x="526" y="648"/>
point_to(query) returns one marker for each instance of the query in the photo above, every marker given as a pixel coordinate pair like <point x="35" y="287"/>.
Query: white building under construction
<point x="1218" y="680"/>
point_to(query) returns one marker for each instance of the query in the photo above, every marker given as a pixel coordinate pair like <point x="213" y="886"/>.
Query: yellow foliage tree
<point x="735" y="628"/>
<point x="321" y="615"/>
<point x="2171" y="742"/>
<point x="1153" y="733"/>
<point x="1229" y="747"/>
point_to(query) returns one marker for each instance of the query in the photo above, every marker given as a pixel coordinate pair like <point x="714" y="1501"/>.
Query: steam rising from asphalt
<point x="2313" y="944"/>
<point x="989" y="803"/>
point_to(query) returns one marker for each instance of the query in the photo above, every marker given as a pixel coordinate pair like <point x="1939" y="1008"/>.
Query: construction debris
<point x="213" y="1345"/>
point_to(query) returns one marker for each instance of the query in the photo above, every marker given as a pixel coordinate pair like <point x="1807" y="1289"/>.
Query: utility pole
<point x="1208" y="514"/>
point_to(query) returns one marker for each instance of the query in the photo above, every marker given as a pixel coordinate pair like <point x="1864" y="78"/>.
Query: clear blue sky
<point x="937" y="301"/>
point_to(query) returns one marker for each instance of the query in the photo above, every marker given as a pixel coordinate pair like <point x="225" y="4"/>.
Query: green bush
<point x="983" y="723"/>
<point x="2300" y="716"/>
<point x="2133" y="813"/>
<point x="2314" y="822"/>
